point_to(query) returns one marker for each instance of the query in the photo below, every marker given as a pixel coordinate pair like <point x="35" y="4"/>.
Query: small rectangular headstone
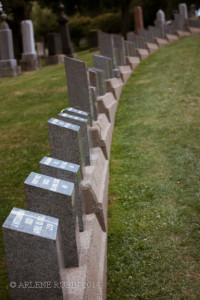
<point x="55" y="197"/>
<point x="129" y="48"/>
<point x="119" y="44"/>
<point x="33" y="255"/>
<point x="84" y="126"/>
<point x="69" y="172"/>
<point x="104" y="63"/>
<point x="78" y="85"/>
<point x="66" y="142"/>
<point x="94" y="99"/>
<point x="97" y="79"/>
<point x="156" y="31"/>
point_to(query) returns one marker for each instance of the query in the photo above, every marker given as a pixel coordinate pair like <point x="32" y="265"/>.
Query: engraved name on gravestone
<point x="84" y="126"/>
<point x="66" y="142"/>
<point x="69" y="172"/>
<point x="78" y="85"/>
<point x="55" y="197"/>
<point x="79" y="113"/>
<point x="104" y="63"/>
<point x="33" y="255"/>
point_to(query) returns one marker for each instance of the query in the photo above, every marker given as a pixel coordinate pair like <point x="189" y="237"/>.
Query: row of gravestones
<point x="56" y="249"/>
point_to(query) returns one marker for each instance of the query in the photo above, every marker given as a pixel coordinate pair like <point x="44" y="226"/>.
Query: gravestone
<point x="138" y="18"/>
<point x="183" y="10"/>
<point x="78" y="85"/>
<point x="30" y="60"/>
<point x="79" y="113"/>
<point x="156" y="31"/>
<point x="147" y="35"/>
<point x="84" y="126"/>
<point x="129" y="48"/>
<point x="63" y="20"/>
<point x="119" y="44"/>
<point x="66" y="142"/>
<point x="33" y="255"/>
<point x="54" y="44"/>
<point x="40" y="49"/>
<point x="192" y="11"/>
<point x="56" y="198"/>
<point x="104" y="63"/>
<point x="8" y="65"/>
<point x="94" y="100"/>
<point x="94" y="39"/>
<point x="106" y="46"/>
<point x="97" y="79"/>
<point x="69" y="172"/>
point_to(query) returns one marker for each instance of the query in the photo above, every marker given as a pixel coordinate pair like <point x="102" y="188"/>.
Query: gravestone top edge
<point x="63" y="124"/>
<point x="54" y="162"/>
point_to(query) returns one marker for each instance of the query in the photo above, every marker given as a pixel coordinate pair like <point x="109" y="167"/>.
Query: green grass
<point x="27" y="103"/>
<point x="154" y="212"/>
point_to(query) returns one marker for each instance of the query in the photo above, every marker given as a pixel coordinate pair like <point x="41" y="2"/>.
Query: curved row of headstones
<point x="56" y="249"/>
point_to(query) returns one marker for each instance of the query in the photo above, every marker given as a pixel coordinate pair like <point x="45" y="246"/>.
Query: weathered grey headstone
<point x="30" y="59"/>
<point x="8" y="65"/>
<point x="147" y="35"/>
<point x="56" y="198"/>
<point x="94" y="100"/>
<point x="183" y="10"/>
<point x="97" y="79"/>
<point x="129" y="48"/>
<point x="66" y="142"/>
<point x="33" y="255"/>
<point x="104" y="63"/>
<point x="138" y="40"/>
<point x="156" y="31"/>
<point x="106" y="45"/>
<point x="119" y="44"/>
<point x="78" y="85"/>
<point x="40" y="49"/>
<point x="69" y="172"/>
<point x="54" y="43"/>
<point x="84" y="126"/>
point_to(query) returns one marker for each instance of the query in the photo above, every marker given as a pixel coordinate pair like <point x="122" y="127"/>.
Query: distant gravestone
<point x="63" y="20"/>
<point x="66" y="142"/>
<point x="30" y="60"/>
<point x="192" y="11"/>
<point x="183" y="10"/>
<point x="55" y="52"/>
<point x="84" y="126"/>
<point x="138" y="40"/>
<point x="78" y="85"/>
<point x="106" y="45"/>
<point x="69" y="172"/>
<point x="33" y="255"/>
<point x="104" y="63"/>
<point x="55" y="197"/>
<point x="160" y="18"/>
<point x="97" y="79"/>
<point x="129" y="48"/>
<point x="147" y="35"/>
<point x="94" y="39"/>
<point x="156" y="31"/>
<point x="94" y="100"/>
<point x="119" y="45"/>
<point x="138" y="18"/>
<point x="8" y="65"/>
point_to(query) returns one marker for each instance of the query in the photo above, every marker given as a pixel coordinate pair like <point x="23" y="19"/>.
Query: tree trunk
<point x="125" y="17"/>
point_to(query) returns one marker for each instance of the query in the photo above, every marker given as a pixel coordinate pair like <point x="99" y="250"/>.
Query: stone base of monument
<point x="9" y="68"/>
<point x="125" y="72"/>
<point x="94" y="187"/>
<point x="142" y="53"/>
<point x="107" y="104"/>
<point x="114" y="85"/>
<point x="54" y="59"/>
<point x="132" y="61"/>
<point x="89" y="280"/>
<point x="101" y="132"/>
<point x="181" y="33"/>
<point x="30" y="62"/>
<point x="171" y="37"/>
<point x="151" y="47"/>
<point x="161" y="42"/>
<point x="194" y="30"/>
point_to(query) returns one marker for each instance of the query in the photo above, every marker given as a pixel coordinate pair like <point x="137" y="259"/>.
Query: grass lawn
<point x="154" y="227"/>
<point x="154" y="212"/>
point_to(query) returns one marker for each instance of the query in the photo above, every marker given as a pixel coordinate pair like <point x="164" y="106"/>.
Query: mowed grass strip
<point x="27" y="103"/>
<point x="154" y="212"/>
